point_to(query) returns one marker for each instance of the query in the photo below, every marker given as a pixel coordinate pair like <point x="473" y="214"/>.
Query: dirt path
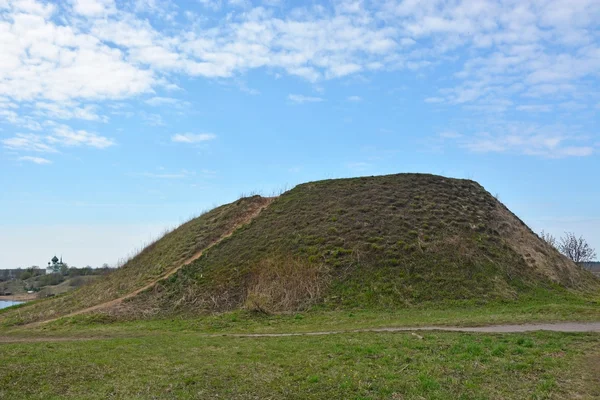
<point x="554" y="327"/>
<point x="247" y="218"/>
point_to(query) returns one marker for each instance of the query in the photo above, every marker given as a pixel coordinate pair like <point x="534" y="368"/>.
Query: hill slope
<point x="156" y="261"/>
<point x="372" y="242"/>
<point x="383" y="241"/>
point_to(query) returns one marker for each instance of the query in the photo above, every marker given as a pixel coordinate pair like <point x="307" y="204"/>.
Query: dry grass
<point x="539" y="255"/>
<point x="281" y="285"/>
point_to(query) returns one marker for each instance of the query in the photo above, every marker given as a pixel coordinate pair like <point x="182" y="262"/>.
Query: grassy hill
<point x="364" y="243"/>
<point x="150" y="264"/>
<point x="376" y="242"/>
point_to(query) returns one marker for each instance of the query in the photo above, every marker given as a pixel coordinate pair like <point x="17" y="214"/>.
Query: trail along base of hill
<point x="581" y="327"/>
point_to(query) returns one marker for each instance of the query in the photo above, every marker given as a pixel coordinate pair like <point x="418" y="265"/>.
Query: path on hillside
<point x="567" y="327"/>
<point x="243" y="221"/>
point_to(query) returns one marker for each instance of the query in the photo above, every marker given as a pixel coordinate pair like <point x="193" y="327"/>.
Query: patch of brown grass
<point x="285" y="284"/>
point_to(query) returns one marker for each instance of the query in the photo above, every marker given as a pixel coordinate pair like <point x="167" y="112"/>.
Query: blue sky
<point x="119" y="119"/>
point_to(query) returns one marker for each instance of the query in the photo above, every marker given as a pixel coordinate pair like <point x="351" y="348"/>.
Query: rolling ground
<point x="188" y="360"/>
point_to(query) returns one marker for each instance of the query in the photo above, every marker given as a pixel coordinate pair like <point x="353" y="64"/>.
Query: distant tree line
<point x="56" y="274"/>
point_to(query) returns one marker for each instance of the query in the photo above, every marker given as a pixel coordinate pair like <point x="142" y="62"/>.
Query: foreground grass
<point x="180" y="365"/>
<point x="175" y="359"/>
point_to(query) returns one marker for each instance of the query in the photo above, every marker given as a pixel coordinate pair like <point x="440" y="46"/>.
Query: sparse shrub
<point x="549" y="239"/>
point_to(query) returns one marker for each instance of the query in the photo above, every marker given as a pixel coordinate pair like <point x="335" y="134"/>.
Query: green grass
<point x="184" y="365"/>
<point x="534" y="309"/>
<point x="179" y="357"/>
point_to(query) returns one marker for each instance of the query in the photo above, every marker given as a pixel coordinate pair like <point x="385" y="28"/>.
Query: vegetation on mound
<point x="150" y="264"/>
<point x="376" y="242"/>
<point x="363" y="243"/>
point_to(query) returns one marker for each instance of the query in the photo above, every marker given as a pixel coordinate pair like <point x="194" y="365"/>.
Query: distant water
<point x="5" y="303"/>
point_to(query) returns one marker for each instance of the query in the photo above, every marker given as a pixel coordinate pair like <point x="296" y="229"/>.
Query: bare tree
<point x="548" y="238"/>
<point x="576" y="248"/>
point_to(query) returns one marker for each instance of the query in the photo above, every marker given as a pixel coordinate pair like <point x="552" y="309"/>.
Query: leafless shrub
<point x="576" y="248"/>
<point x="280" y="285"/>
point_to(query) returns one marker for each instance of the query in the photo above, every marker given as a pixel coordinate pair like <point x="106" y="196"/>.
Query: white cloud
<point x="153" y="119"/>
<point x="69" y="59"/>
<point x="528" y="139"/>
<point x="35" y="160"/>
<point x="67" y="111"/>
<point x="42" y="60"/>
<point x="94" y="8"/>
<point x="61" y="136"/>
<point x="66" y="136"/>
<point x="354" y="99"/>
<point x="211" y="4"/>
<point x="536" y="108"/>
<point x="193" y="137"/>
<point x="301" y="99"/>
<point x="28" y="142"/>
<point x="158" y="101"/>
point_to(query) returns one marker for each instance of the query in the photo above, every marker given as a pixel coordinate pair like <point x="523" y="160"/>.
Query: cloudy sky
<point x="120" y="118"/>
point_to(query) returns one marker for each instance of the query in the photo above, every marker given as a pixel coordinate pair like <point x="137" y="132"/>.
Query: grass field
<point x="185" y="365"/>
<point x="180" y="357"/>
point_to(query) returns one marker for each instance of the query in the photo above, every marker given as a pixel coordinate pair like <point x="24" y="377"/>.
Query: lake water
<point x="6" y="303"/>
